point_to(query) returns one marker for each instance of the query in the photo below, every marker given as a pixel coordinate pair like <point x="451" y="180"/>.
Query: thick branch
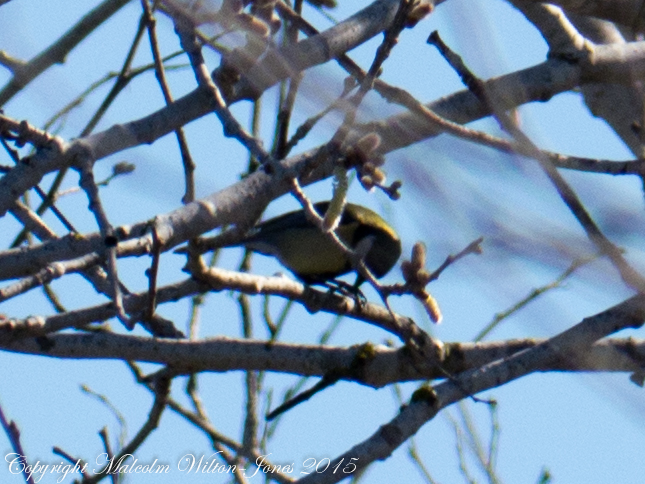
<point x="627" y="12"/>
<point x="426" y="403"/>
<point x="382" y="366"/>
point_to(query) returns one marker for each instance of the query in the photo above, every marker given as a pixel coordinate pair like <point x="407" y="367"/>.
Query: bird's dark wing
<point x="290" y="220"/>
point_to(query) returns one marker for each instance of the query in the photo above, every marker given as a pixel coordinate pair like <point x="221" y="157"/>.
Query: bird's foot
<point x="347" y="290"/>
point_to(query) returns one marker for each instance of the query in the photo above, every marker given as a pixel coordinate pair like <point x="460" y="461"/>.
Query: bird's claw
<point x="347" y="290"/>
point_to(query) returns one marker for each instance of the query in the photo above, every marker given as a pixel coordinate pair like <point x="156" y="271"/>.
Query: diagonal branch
<point x="56" y="53"/>
<point x="427" y="402"/>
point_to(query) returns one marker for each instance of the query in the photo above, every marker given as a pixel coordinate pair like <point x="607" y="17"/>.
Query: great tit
<point x="312" y="257"/>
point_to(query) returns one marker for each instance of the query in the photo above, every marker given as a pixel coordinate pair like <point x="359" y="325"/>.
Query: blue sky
<point x="583" y="428"/>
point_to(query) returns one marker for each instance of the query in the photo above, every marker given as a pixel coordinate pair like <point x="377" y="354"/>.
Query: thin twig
<point x="319" y="222"/>
<point x="427" y="402"/>
<point x="287" y="103"/>
<point x="160" y="73"/>
<point x="232" y="127"/>
<point x="121" y="82"/>
<point x="218" y="439"/>
<point x="82" y="466"/>
<point x="88" y="185"/>
<point x="47" y="275"/>
<point x="105" y="438"/>
<point x="161" y="391"/>
<point x="59" y="215"/>
<point x="57" y="52"/>
<point x="250" y="430"/>
<point x="13" y="434"/>
<point x="628" y="274"/>
<point x="383" y="51"/>
<point x="499" y="317"/>
<point x="152" y="274"/>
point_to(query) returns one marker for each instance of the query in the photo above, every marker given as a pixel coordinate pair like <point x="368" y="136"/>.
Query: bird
<point x="313" y="258"/>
